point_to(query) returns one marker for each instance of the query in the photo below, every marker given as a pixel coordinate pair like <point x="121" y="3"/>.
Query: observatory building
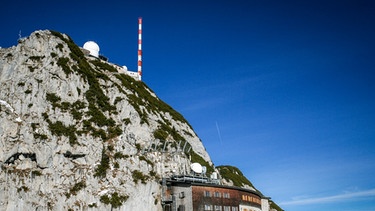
<point x="197" y="192"/>
<point x="92" y="47"/>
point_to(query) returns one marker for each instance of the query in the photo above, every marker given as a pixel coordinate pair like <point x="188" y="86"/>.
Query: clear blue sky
<point x="284" y="90"/>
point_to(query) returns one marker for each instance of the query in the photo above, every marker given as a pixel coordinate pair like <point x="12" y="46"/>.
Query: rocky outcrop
<point x="77" y="135"/>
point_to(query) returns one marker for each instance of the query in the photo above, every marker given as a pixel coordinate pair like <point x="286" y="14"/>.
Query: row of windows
<point x="216" y="194"/>
<point x="209" y="207"/>
<point x="250" y="199"/>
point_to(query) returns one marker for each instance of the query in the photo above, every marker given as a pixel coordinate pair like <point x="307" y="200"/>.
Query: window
<point x="234" y="208"/>
<point x="181" y="208"/>
<point x="217" y="208"/>
<point x="182" y="195"/>
<point x="226" y="195"/>
<point x="226" y="208"/>
<point x="207" y="207"/>
<point x="207" y="194"/>
<point x="217" y="194"/>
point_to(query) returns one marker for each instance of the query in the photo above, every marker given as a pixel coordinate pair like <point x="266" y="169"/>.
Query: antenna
<point x="140" y="48"/>
<point x="197" y="168"/>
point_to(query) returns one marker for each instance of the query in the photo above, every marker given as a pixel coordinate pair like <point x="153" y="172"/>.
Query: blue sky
<point x="284" y="90"/>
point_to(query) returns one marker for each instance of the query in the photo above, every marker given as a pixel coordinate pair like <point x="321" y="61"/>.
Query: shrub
<point x="60" y="46"/>
<point x="59" y="129"/>
<point x="110" y="148"/>
<point x="93" y="205"/>
<point x="137" y="175"/>
<point x="164" y="130"/>
<point x="119" y="155"/>
<point x="77" y="187"/>
<point x="34" y="125"/>
<point x="101" y="170"/>
<point x="114" y="132"/>
<point x="40" y="136"/>
<point x="126" y="121"/>
<point x="146" y="160"/>
<point x="23" y="188"/>
<point x="115" y="200"/>
<point x="45" y="116"/>
<point x="36" y="173"/>
<point x="104" y="66"/>
<point x="63" y="63"/>
<point x="118" y="99"/>
<point x="31" y="68"/>
<point x="138" y="146"/>
<point x="98" y="133"/>
<point x="65" y="106"/>
<point x="36" y="58"/>
<point x="53" y="98"/>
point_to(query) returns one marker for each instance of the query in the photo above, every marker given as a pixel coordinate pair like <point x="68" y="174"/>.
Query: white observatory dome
<point x="92" y="47"/>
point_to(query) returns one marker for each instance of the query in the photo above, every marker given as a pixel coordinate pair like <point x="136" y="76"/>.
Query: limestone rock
<point x="76" y="134"/>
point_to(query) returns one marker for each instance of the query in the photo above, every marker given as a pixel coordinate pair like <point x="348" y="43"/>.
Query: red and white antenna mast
<point x="140" y="48"/>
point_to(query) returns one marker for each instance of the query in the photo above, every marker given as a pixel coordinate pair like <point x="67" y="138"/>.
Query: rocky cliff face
<point x="75" y="134"/>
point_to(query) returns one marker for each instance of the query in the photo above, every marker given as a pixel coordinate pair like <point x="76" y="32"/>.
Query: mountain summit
<point x="78" y="134"/>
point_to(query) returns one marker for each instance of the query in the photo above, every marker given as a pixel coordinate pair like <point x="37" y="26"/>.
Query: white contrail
<point x="218" y="132"/>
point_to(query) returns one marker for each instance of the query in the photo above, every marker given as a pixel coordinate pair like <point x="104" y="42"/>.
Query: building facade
<point x="206" y="196"/>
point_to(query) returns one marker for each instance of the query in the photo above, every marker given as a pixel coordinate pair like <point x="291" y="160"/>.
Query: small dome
<point x="92" y="47"/>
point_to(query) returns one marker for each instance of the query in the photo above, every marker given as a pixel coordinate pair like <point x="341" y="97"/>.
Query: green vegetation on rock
<point x="231" y="173"/>
<point x="137" y="175"/>
<point x="98" y="102"/>
<point x="101" y="170"/>
<point x="115" y="200"/>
